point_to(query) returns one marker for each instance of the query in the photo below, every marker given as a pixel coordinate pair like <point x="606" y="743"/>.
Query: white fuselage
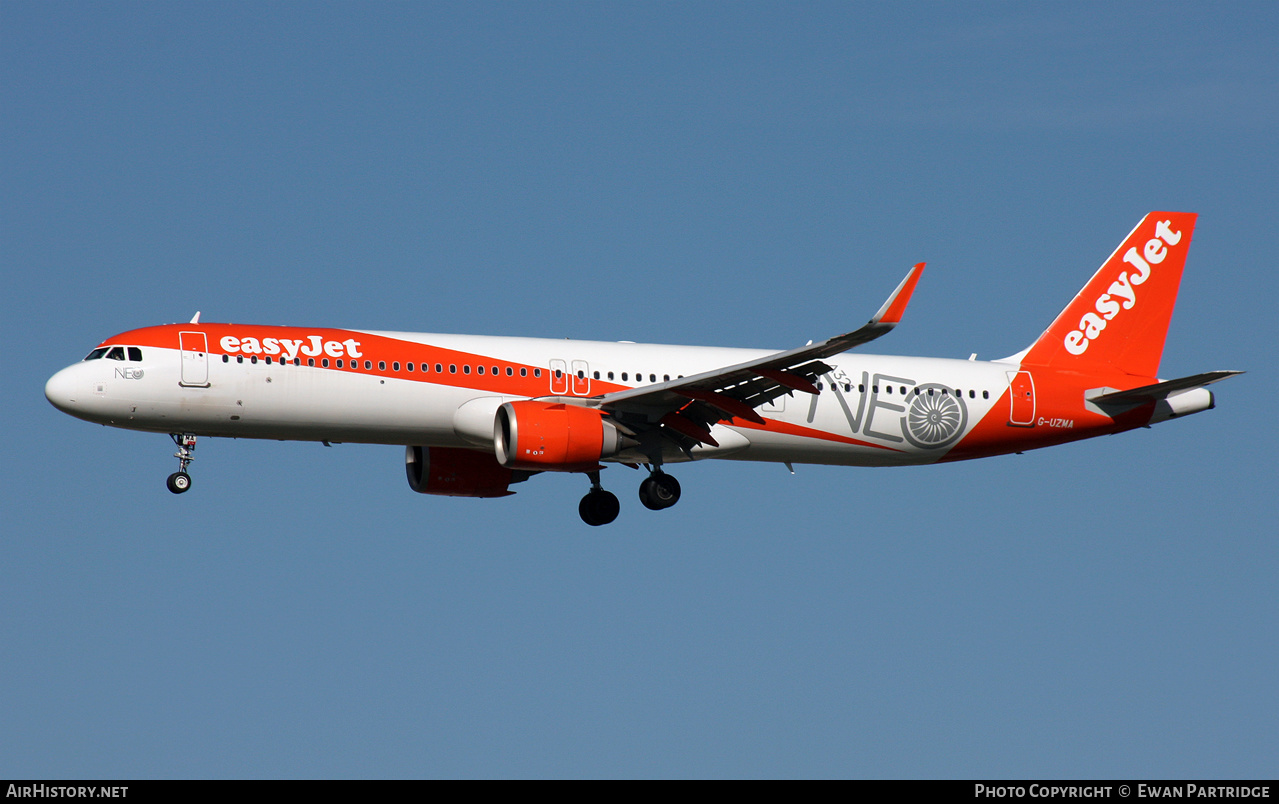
<point x="860" y="418"/>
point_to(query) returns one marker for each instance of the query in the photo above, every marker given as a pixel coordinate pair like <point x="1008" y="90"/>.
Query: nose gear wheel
<point x="180" y="481"/>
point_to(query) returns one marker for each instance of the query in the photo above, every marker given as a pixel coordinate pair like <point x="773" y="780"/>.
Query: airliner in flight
<point x="482" y="413"/>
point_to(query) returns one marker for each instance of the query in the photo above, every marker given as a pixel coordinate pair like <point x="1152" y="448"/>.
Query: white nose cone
<point x="62" y="390"/>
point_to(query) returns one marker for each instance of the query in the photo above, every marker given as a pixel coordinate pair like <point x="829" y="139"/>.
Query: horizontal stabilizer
<point x="1162" y="390"/>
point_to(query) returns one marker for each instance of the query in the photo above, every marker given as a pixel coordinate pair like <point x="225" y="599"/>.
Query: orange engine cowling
<point x="553" y="436"/>
<point x="458" y="472"/>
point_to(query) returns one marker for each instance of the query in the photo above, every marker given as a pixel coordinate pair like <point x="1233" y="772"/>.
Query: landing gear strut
<point x="180" y="481"/>
<point x="598" y="507"/>
<point x="659" y="490"/>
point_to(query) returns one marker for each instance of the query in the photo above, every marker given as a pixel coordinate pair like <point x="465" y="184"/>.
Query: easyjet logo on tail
<point x="1122" y="293"/>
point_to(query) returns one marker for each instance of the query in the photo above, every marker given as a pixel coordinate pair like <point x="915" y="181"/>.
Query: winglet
<point x="895" y="307"/>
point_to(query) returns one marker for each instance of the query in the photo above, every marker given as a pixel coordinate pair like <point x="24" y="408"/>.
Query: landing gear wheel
<point x="179" y="482"/>
<point x="659" y="490"/>
<point x="599" y="507"/>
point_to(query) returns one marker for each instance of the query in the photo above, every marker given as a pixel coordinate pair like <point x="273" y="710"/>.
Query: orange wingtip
<point x="895" y="307"/>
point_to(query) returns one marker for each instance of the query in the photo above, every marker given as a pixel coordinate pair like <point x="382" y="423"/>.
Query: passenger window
<point x="537" y="372"/>
<point x="240" y="359"/>
<point x="408" y="366"/>
<point x="985" y="394"/>
<point x="652" y="378"/>
<point x="495" y="372"/>
<point x="466" y="369"/>
<point x="597" y="375"/>
<point x="581" y="375"/>
<point x="310" y="361"/>
<point x="439" y="368"/>
<point x="254" y="360"/>
<point x="623" y="376"/>
<point x="903" y="390"/>
<point x="135" y="354"/>
<point x="452" y="368"/>
<point x="381" y="365"/>
<point x="479" y="369"/>
<point x="395" y="366"/>
<point x="558" y="374"/>
<point x="610" y="375"/>
<point x="510" y="372"/>
<point x="226" y="358"/>
<point x="666" y="378"/>
<point x="339" y="363"/>
<point x="523" y="372"/>
<point x="324" y="362"/>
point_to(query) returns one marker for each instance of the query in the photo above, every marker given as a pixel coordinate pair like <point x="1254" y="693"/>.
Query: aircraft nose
<point x="62" y="389"/>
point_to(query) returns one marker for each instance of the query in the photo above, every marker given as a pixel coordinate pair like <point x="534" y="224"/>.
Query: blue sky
<point x="729" y="174"/>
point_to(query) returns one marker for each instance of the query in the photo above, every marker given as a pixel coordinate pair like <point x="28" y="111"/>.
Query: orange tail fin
<point x="1120" y="319"/>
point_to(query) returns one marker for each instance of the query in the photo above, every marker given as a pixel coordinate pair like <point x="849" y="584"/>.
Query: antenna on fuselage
<point x="195" y="319"/>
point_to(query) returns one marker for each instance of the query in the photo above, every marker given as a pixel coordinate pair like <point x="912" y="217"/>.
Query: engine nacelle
<point x="456" y="472"/>
<point x="553" y="436"/>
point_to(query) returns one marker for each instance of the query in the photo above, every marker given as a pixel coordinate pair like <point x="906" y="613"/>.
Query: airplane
<point x="482" y="413"/>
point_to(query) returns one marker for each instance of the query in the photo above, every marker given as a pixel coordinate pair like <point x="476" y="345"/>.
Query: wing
<point x="685" y="408"/>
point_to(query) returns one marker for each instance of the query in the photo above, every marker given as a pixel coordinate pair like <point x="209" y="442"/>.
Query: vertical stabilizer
<point x="1120" y="319"/>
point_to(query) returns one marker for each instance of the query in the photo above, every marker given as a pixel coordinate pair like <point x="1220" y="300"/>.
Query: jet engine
<point x="456" y="472"/>
<point x="553" y="436"/>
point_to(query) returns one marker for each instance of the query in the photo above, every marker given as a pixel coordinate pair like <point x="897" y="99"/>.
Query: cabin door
<point x="195" y="359"/>
<point x="1021" y="392"/>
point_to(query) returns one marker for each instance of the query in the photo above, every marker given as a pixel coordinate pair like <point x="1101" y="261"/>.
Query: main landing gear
<point x="659" y="490"/>
<point x="180" y="481"/>
<point x="599" y="507"/>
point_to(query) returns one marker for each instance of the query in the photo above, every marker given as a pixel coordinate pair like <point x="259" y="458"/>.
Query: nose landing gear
<point x="180" y="481"/>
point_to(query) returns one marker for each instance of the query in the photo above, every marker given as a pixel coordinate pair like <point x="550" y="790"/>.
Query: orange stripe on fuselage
<point x="785" y="428"/>
<point x="376" y="349"/>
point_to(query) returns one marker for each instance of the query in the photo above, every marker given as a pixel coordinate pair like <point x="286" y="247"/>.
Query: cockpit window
<point x="116" y="353"/>
<point x="135" y="354"/>
<point x="96" y="353"/>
